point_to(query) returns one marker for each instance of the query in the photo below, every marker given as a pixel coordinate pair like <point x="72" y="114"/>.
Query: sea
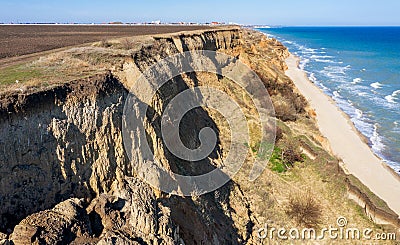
<point x="359" y="67"/>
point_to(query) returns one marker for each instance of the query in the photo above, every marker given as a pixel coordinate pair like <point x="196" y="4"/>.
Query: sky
<point x="277" y="12"/>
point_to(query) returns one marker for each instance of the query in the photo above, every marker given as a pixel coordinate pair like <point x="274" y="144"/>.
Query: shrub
<point x="278" y="134"/>
<point x="287" y="102"/>
<point x="299" y="103"/>
<point x="304" y="208"/>
<point x="291" y="152"/>
<point x="127" y="43"/>
<point x="284" y="111"/>
<point x="104" y="44"/>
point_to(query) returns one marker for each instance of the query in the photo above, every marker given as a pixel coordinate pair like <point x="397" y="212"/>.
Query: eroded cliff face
<point x="64" y="167"/>
<point x="61" y="143"/>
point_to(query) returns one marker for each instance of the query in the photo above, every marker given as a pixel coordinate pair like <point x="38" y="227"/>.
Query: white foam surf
<point x="314" y="56"/>
<point x="336" y="94"/>
<point x="396" y="93"/>
<point x="312" y="77"/>
<point x="325" y="61"/>
<point x="376" y="85"/>
<point x="357" y="80"/>
<point x="391" y="98"/>
<point x="359" y="113"/>
<point x="303" y="63"/>
<point x="376" y="140"/>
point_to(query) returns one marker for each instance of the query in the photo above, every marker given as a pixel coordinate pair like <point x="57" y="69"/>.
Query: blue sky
<point x="277" y="12"/>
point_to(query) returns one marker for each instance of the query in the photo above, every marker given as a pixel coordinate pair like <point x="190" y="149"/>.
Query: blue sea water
<point x="359" y="67"/>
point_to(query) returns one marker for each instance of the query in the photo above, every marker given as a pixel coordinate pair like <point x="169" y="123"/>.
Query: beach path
<point x="345" y="142"/>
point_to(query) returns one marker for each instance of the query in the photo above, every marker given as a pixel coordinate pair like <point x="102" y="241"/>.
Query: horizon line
<point x="194" y="23"/>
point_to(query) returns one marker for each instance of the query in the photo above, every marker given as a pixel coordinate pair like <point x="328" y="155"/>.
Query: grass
<point x="22" y="73"/>
<point x="266" y="151"/>
<point x="276" y="163"/>
<point x="279" y="157"/>
<point x="54" y="69"/>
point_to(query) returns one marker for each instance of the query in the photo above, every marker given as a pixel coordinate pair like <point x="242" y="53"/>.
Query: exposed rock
<point x="3" y="239"/>
<point x="132" y="210"/>
<point x="131" y="213"/>
<point x="60" y="225"/>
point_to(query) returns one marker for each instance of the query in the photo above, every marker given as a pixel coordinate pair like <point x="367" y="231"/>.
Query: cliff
<point x="65" y="176"/>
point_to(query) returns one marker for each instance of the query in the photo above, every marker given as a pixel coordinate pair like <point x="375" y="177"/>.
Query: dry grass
<point x="127" y="43"/>
<point x="304" y="208"/>
<point x="60" y="67"/>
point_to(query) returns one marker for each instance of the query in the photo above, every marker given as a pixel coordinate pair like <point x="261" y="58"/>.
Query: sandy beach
<point x="345" y="141"/>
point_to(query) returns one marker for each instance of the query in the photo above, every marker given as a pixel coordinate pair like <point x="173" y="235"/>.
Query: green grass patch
<point x="266" y="151"/>
<point x="22" y="73"/>
<point x="275" y="162"/>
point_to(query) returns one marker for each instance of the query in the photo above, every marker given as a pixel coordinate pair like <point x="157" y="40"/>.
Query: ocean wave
<point x="359" y="113"/>
<point x="383" y="102"/>
<point x="303" y="63"/>
<point x="321" y="56"/>
<point x="323" y="87"/>
<point x="376" y="85"/>
<point x="376" y="140"/>
<point x="325" y="61"/>
<point x="363" y="126"/>
<point x="312" y="77"/>
<point x="306" y="50"/>
<point x="335" y="73"/>
<point x="395" y="93"/>
<point x="361" y="122"/>
<point x="362" y="94"/>
<point x="288" y="42"/>
<point x="336" y="94"/>
<point x="356" y="80"/>
<point x="394" y="165"/>
<point x="337" y="69"/>
<point x="392" y="97"/>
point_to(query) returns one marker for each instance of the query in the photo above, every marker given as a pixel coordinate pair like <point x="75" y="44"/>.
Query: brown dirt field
<point x="17" y="40"/>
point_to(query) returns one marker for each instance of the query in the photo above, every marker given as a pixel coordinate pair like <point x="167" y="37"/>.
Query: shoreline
<point x="348" y="118"/>
<point x="349" y="145"/>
